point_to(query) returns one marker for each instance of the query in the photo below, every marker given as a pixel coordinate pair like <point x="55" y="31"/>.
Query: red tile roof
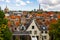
<point x="53" y="21"/>
<point x="58" y="16"/>
<point x="13" y="17"/>
<point x="9" y="23"/>
<point x="17" y="23"/>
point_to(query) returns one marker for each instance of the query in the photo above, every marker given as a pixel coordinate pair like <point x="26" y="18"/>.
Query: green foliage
<point x="16" y="38"/>
<point x="55" y="31"/>
<point x="1" y="14"/>
<point x="5" y="33"/>
<point x="39" y="12"/>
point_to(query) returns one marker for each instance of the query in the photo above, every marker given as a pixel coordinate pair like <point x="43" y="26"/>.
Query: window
<point x="15" y="13"/>
<point x="37" y="37"/>
<point x="43" y="20"/>
<point x="22" y="28"/>
<point x="45" y="31"/>
<point x="12" y="22"/>
<point x="43" y="27"/>
<point x="41" y="31"/>
<point x="14" y="37"/>
<point x="33" y="36"/>
<point x="35" y="32"/>
<point x="16" y="19"/>
<point x="32" y="27"/>
<point x="30" y="31"/>
<point x="15" y="29"/>
<point x="44" y="37"/>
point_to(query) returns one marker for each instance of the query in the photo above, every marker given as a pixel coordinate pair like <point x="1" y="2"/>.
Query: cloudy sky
<point x="49" y="5"/>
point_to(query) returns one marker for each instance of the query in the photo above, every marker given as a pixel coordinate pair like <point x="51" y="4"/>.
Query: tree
<point x="55" y="31"/>
<point x="5" y="33"/>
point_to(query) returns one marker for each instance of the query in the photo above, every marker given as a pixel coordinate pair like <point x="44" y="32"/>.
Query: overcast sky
<point x="49" y="5"/>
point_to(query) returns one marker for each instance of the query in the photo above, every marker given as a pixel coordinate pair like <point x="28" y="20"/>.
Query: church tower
<point x="6" y="10"/>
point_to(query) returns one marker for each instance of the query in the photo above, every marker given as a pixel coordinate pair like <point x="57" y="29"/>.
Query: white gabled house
<point x="35" y="32"/>
<point x="38" y="33"/>
<point x="32" y="31"/>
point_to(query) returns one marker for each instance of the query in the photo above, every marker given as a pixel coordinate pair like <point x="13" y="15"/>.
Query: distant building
<point x="14" y="18"/>
<point x="6" y="10"/>
<point x="40" y="10"/>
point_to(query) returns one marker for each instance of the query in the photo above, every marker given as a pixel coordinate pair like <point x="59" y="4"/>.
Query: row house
<point x="29" y="26"/>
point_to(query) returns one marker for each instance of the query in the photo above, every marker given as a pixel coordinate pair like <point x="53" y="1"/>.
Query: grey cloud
<point x="50" y="5"/>
<point x="49" y="2"/>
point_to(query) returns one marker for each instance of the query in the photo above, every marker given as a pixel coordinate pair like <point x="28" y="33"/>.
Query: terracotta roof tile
<point x="9" y="23"/>
<point x="17" y="23"/>
<point x="18" y="17"/>
<point x="58" y="16"/>
<point x="53" y="21"/>
<point x="47" y="22"/>
<point x="50" y="13"/>
<point x="38" y="14"/>
<point x="12" y="17"/>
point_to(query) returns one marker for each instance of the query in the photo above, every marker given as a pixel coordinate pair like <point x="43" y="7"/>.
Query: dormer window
<point x="15" y="29"/>
<point x="43" y="27"/>
<point x="22" y="27"/>
<point x="32" y="27"/>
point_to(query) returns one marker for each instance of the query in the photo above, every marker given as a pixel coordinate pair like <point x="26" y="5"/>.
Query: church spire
<point x="6" y="10"/>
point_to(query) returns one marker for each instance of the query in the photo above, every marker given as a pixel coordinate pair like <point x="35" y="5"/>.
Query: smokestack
<point x="39" y="6"/>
